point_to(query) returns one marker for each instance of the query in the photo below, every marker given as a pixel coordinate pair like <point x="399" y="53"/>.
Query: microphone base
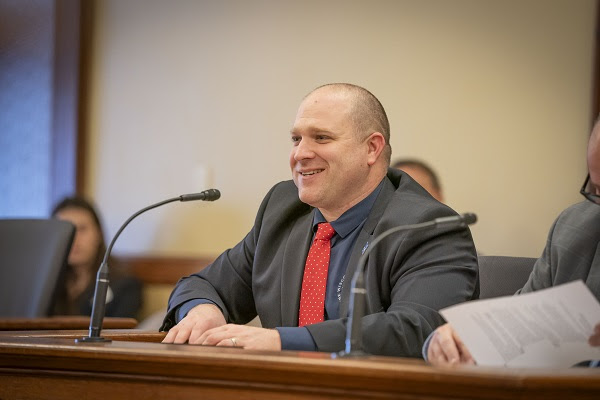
<point x="350" y="354"/>
<point x="92" y="339"/>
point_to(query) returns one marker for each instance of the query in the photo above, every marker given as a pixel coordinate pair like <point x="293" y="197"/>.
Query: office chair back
<point x="503" y="275"/>
<point x="32" y="254"/>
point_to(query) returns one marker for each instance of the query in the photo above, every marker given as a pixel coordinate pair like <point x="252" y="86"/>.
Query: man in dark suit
<point x="341" y="180"/>
<point x="571" y="253"/>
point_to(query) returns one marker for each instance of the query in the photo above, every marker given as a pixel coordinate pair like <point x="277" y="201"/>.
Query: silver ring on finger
<point x="233" y="341"/>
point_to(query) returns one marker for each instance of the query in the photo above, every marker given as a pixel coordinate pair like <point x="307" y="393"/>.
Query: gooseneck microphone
<point x="356" y="309"/>
<point x="102" y="279"/>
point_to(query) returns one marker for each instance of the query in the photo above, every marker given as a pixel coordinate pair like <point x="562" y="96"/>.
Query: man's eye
<point x="322" y="138"/>
<point x="295" y="139"/>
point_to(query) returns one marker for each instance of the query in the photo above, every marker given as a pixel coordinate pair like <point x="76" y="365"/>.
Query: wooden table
<point x="63" y="322"/>
<point x="50" y="365"/>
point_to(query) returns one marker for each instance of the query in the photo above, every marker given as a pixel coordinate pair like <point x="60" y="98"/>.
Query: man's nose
<point x="303" y="150"/>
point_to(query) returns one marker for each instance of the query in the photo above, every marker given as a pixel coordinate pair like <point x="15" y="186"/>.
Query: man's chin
<point x="308" y="198"/>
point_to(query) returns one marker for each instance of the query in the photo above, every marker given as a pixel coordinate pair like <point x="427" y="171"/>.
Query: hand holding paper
<point x="548" y="328"/>
<point x="446" y="348"/>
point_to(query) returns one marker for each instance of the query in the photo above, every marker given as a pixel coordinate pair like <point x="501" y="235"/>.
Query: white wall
<point x="192" y="94"/>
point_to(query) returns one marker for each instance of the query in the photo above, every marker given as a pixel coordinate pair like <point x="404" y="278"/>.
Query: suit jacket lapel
<point x="592" y="280"/>
<point x="294" y="258"/>
<point x="365" y="237"/>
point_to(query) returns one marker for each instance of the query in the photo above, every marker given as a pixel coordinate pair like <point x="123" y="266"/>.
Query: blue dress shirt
<point x="347" y="228"/>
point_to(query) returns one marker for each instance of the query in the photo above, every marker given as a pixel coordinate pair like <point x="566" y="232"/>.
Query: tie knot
<point x="325" y="231"/>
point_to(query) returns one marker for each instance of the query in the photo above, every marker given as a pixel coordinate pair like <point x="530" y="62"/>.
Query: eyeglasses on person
<point x="588" y="190"/>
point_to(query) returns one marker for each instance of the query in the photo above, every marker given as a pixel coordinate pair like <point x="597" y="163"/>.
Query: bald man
<point x="294" y="268"/>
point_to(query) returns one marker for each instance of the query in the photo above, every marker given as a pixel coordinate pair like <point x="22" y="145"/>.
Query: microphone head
<point x="469" y="218"/>
<point x="206" y="195"/>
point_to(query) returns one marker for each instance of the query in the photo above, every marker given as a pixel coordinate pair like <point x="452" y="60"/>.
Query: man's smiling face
<point x="329" y="159"/>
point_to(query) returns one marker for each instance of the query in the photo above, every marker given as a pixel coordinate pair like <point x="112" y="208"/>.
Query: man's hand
<point x="594" y="340"/>
<point x="247" y="337"/>
<point x="446" y="348"/>
<point x="198" y="320"/>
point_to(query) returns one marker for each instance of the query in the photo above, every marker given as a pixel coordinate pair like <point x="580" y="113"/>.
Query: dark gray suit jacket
<point x="409" y="276"/>
<point x="572" y="251"/>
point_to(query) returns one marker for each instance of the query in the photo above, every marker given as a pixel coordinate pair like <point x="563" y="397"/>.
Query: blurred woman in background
<point x="75" y="291"/>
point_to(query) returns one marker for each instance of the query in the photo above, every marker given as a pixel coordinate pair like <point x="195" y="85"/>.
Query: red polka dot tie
<point x="312" y="297"/>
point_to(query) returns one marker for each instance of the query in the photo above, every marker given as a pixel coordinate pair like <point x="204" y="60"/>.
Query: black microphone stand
<point x="102" y="278"/>
<point x="356" y="310"/>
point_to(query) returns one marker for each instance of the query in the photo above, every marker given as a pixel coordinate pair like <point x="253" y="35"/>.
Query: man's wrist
<point x="296" y="338"/>
<point x="186" y="307"/>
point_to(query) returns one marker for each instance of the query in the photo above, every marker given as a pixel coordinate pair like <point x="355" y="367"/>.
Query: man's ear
<point x="376" y="144"/>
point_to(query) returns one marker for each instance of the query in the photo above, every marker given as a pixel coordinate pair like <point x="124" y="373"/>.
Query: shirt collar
<point x="353" y="217"/>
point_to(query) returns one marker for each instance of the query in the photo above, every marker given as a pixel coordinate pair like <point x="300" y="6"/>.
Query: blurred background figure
<point x="75" y="289"/>
<point x="423" y="174"/>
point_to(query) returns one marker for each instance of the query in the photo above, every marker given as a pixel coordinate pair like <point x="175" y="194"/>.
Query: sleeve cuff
<point x="426" y="346"/>
<point x="296" y="338"/>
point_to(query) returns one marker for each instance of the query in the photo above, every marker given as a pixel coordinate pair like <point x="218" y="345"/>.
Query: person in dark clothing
<point x="75" y="289"/>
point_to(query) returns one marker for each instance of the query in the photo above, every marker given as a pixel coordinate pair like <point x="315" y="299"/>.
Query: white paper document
<point x="547" y="328"/>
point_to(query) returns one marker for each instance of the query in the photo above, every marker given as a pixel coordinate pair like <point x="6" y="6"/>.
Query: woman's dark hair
<point x="61" y="303"/>
<point x="83" y="204"/>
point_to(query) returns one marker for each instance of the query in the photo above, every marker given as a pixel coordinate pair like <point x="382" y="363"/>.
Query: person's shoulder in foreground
<point x="570" y="251"/>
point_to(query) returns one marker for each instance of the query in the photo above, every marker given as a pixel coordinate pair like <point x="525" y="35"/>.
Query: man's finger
<point x="594" y="340"/>
<point x="448" y="347"/>
<point x="170" y="335"/>
<point x="183" y="335"/>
